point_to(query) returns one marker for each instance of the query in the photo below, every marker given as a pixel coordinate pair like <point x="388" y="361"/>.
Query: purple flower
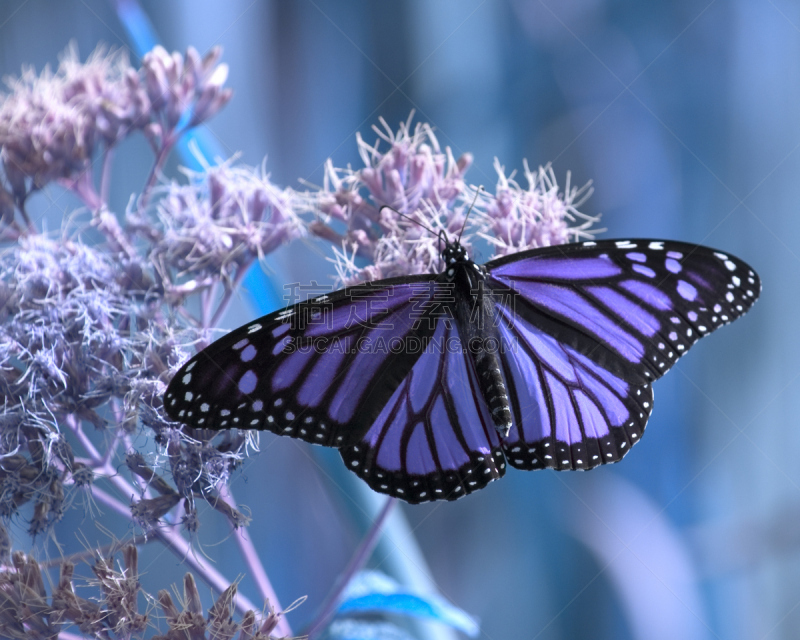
<point x="516" y="219"/>
<point x="427" y="191"/>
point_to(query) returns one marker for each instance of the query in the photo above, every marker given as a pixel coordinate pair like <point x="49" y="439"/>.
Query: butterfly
<point x="429" y="385"/>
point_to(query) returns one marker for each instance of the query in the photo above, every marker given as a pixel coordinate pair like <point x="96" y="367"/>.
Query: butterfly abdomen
<point x="494" y="390"/>
<point x="477" y="323"/>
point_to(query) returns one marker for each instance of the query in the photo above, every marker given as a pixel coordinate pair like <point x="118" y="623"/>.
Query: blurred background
<point x="685" y="116"/>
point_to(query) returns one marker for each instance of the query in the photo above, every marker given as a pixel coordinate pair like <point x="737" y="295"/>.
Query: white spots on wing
<point x="255" y="327"/>
<point x="187" y="378"/>
<point x="686" y="291"/>
<point x="717" y="308"/>
<point x="278" y="402"/>
<point x="673" y="336"/>
<point x="191" y="366"/>
<point x="188" y="396"/>
<point x="225" y="412"/>
<point x="204" y="407"/>
<point x="241" y="344"/>
<point x="625" y="244"/>
<point x="289" y="415"/>
<point x="254" y="422"/>
<point x="309" y="419"/>
<point x="692" y="316"/>
<point x="645" y="271"/>
<point x="675" y="320"/>
<point x="661" y="346"/>
<point x="271" y="419"/>
<point x="247" y="383"/>
<point x="736" y="281"/>
<point x="589" y="244"/>
<point x="729" y="296"/>
<point x="688" y="333"/>
<point x="656" y="246"/>
<point x="730" y="266"/>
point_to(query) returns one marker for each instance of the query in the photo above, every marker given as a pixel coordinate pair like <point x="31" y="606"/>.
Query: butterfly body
<point x="474" y="313"/>
<point x="429" y="385"/>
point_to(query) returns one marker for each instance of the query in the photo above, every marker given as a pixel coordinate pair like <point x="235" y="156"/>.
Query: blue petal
<point x="371" y="591"/>
<point x="361" y="630"/>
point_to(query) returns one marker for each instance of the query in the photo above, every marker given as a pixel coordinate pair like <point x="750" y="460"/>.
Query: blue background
<point x="685" y="115"/>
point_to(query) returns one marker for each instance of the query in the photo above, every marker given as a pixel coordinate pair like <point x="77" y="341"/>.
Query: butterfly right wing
<point x="320" y="371"/>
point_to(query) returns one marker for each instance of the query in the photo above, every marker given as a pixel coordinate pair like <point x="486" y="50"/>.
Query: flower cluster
<point x="413" y="177"/>
<point x="52" y="124"/>
<point x="516" y="219"/>
<point x="221" y="221"/>
<point x="26" y="612"/>
<point x="395" y="207"/>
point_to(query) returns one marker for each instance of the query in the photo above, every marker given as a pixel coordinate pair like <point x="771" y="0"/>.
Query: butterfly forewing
<point x="320" y="371"/>
<point x="631" y="306"/>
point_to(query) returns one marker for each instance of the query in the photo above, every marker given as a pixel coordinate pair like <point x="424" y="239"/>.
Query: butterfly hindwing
<point x="434" y="438"/>
<point x="568" y="412"/>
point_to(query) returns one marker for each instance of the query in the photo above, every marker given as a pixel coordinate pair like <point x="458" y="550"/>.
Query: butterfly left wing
<point x="434" y="438"/>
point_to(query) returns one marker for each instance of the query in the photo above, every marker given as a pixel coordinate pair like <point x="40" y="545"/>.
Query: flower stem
<point x="255" y="567"/>
<point x="356" y="563"/>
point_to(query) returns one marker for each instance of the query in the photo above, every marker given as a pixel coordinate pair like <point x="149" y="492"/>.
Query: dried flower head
<point x="221" y="221"/>
<point x="52" y="124"/>
<point x="425" y="193"/>
<point x="516" y="219"/>
<point x="415" y="178"/>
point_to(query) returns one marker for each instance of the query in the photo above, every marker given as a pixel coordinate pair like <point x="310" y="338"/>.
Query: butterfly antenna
<point x="474" y="200"/>
<point x="403" y="215"/>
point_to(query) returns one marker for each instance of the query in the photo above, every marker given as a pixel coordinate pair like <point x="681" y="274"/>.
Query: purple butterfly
<point x="430" y="384"/>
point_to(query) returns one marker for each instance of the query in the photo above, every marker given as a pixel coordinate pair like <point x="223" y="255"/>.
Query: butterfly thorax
<point x="475" y="314"/>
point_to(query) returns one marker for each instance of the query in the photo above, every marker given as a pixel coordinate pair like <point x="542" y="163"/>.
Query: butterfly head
<point x="453" y="252"/>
